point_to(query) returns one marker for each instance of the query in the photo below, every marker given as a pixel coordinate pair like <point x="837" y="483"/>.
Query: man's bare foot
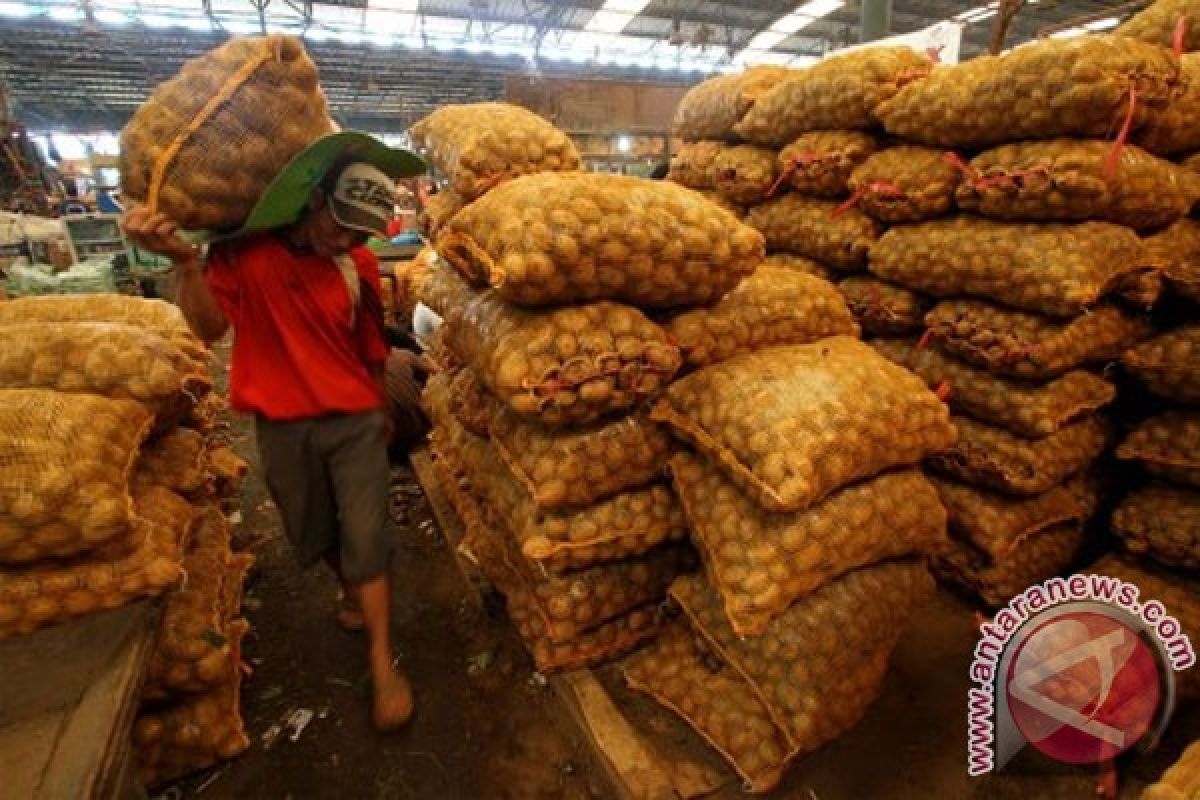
<point x="349" y="614"/>
<point x="392" y="704"/>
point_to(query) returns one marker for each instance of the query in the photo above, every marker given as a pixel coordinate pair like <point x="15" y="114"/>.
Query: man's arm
<point x="159" y="234"/>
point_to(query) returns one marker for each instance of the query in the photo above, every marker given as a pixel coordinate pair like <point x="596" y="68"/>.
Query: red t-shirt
<point x="296" y="352"/>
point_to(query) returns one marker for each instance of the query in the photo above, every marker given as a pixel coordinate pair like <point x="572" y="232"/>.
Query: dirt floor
<point x="488" y="727"/>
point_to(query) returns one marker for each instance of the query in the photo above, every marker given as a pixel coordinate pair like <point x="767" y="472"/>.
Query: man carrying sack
<point x="302" y="294"/>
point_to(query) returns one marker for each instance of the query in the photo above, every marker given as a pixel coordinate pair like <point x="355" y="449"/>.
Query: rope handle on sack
<point x="881" y="188"/>
<point x="158" y="172"/>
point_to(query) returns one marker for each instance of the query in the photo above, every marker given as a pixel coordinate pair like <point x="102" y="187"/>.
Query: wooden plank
<point x="71" y="692"/>
<point x="630" y="764"/>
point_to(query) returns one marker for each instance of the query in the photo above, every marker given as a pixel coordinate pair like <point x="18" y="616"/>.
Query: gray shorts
<point x="329" y="478"/>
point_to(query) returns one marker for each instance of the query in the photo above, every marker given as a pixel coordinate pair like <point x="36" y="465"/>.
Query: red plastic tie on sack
<point x="926" y="338"/>
<point x="943" y="391"/>
<point x="788" y="170"/>
<point x="956" y="161"/>
<point x="879" y="187"/>
<point x="1113" y="159"/>
<point x="1178" y="37"/>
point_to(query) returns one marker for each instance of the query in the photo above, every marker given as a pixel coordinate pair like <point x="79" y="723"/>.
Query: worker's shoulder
<point x="246" y="250"/>
<point x="365" y="261"/>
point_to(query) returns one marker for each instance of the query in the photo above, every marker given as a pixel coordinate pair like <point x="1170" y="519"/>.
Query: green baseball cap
<point x="285" y="198"/>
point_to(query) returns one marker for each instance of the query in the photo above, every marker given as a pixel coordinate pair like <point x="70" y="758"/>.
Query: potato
<point x="774" y="306"/>
<point x="807" y="227"/>
<point x="1054" y="269"/>
<point x="1163" y="522"/>
<point x="697" y="250"/>
<point x="1072" y="180"/>
<point x="905" y="183"/>
<point x="1157" y="24"/>
<point x="996" y="459"/>
<point x="518" y="355"/>
<point x="760" y="563"/>
<point x="711" y="109"/>
<point x="677" y="671"/>
<point x="1167" y="445"/>
<point x="275" y="111"/>
<point x="75" y="482"/>
<point x="1047" y="89"/>
<point x="1030" y="346"/>
<point x="790" y="425"/>
<point x="819" y="164"/>
<point x="838" y="93"/>
<point x="1169" y="364"/>
<point x="1035" y="559"/>
<point x="1026" y="409"/>
<point x="819" y="665"/>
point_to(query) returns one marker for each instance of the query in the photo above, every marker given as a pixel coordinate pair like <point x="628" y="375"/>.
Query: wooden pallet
<point x="637" y="769"/>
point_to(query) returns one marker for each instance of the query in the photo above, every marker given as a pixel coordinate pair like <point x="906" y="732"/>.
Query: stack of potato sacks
<point x="109" y="486"/>
<point x="539" y="437"/>
<point x="1041" y="274"/>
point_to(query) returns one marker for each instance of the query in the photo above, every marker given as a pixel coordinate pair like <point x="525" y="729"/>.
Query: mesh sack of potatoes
<point x="1026" y="409"/>
<point x="882" y="308"/>
<point x="1177" y="251"/>
<point x="1030" y="346"/>
<point x="1054" y="269"/>
<point x="570" y="604"/>
<point x="578" y="467"/>
<point x="601" y="644"/>
<point x="838" y="93"/>
<point x="480" y="145"/>
<point x="798" y="264"/>
<point x="1043" y="90"/>
<point x="197" y="639"/>
<point x="50" y="593"/>
<point x="996" y="459"/>
<point x="202" y="730"/>
<point x="809" y="227"/>
<point x="209" y="414"/>
<point x="691" y="164"/>
<point x="470" y="403"/>
<point x="819" y="665"/>
<point x="176" y="460"/>
<point x="997" y="524"/>
<point x="744" y="174"/>
<point x="564" y="238"/>
<point x="771" y="307"/>
<point x="717" y="199"/>
<point x="438" y="286"/>
<point x="626" y="524"/>
<point x="1175" y="130"/>
<point x="905" y="183"/>
<point x="438" y="210"/>
<point x="1160" y="24"/>
<point x="791" y="424"/>
<point x="1068" y="179"/>
<point x="1169" y="364"/>
<point x="1167" y="445"/>
<point x="207" y="142"/>
<point x="1181" y="781"/>
<point x="711" y="109"/>
<point x="820" y="163"/>
<point x="1163" y="522"/>
<point x="679" y="672"/>
<point x="67" y="459"/>
<point x="761" y="562"/>
<point x="568" y="365"/>
<point x="103" y="358"/>
<point x="155" y="316"/>
<point x="1180" y="597"/>
<point x="1038" y="557"/>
